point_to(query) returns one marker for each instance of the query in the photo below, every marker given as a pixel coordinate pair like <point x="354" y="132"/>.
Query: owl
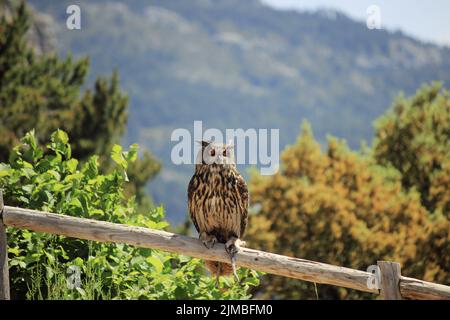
<point x="218" y="203"/>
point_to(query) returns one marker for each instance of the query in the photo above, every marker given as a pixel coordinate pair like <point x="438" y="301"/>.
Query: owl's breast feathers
<point x="218" y="201"/>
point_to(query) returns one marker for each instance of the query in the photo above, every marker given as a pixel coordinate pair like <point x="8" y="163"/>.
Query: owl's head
<point x="216" y="153"/>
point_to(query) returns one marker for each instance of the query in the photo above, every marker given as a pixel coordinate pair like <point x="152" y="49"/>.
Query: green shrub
<point x="51" y="180"/>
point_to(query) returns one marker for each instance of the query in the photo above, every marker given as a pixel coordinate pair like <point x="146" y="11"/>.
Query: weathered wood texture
<point x="254" y="259"/>
<point x="390" y="280"/>
<point x="422" y="290"/>
<point x="144" y="237"/>
<point x="4" y="271"/>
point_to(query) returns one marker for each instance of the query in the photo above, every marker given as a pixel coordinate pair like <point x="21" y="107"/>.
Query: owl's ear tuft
<point x="203" y="143"/>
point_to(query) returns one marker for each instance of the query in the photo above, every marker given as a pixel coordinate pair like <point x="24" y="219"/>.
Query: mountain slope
<point x="239" y="64"/>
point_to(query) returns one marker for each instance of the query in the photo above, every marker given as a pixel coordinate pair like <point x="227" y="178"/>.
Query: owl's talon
<point x="231" y="250"/>
<point x="209" y="244"/>
<point x="232" y="247"/>
<point x="208" y="240"/>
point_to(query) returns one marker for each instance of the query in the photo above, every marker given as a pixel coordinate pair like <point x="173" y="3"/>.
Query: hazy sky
<point x="425" y="20"/>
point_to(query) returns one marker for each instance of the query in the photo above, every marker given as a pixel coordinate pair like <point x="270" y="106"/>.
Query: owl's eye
<point x="224" y="153"/>
<point x="212" y="152"/>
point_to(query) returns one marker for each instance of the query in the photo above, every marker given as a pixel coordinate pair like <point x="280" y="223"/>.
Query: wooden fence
<point x="392" y="284"/>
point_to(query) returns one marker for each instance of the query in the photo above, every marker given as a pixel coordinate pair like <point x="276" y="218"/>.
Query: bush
<point x="51" y="180"/>
<point x="414" y="138"/>
<point x="335" y="206"/>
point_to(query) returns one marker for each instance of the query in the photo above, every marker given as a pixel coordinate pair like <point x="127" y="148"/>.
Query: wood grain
<point x="422" y="290"/>
<point x="258" y="260"/>
<point x="148" y="238"/>
<point x="390" y="280"/>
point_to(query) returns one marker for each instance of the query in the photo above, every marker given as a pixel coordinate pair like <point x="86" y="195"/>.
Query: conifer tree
<point x="44" y="92"/>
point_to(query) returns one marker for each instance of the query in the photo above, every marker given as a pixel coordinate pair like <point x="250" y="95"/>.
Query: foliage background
<point x="55" y="182"/>
<point x="44" y="92"/>
<point x="348" y="208"/>
<point x="240" y="64"/>
<point x="92" y="178"/>
<point x="332" y="201"/>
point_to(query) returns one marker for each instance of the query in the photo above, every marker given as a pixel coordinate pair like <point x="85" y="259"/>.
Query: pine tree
<point x="44" y="93"/>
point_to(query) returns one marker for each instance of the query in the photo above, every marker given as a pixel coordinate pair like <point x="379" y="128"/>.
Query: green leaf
<point x="77" y="262"/>
<point x="161" y="225"/>
<point x="16" y="262"/>
<point x="30" y="139"/>
<point x="76" y="203"/>
<point x="28" y="189"/>
<point x="71" y="177"/>
<point x="96" y="212"/>
<point x="71" y="165"/>
<point x="24" y="199"/>
<point x="252" y="281"/>
<point x="28" y="172"/>
<point x="50" y="257"/>
<point x="61" y="136"/>
<point x="54" y="174"/>
<point x="60" y="143"/>
<point x="5" y="170"/>
<point x="156" y="263"/>
<point x="117" y="156"/>
<point x="16" y="251"/>
<point x="26" y="164"/>
<point x="131" y="155"/>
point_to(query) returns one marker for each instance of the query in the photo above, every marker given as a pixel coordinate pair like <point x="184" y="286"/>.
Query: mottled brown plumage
<point x="218" y="201"/>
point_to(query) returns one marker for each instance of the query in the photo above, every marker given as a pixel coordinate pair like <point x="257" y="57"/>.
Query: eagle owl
<point x="218" y="202"/>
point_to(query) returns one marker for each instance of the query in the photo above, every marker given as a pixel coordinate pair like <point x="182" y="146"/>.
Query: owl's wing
<point x="193" y="185"/>
<point x="243" y="199"/>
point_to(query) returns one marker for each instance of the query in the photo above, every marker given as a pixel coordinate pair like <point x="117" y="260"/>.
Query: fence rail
<point x="393" y="285"/>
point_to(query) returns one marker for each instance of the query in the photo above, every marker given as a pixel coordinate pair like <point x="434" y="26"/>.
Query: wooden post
<point x="4" y="272"/>
<point x="390" y="280"/>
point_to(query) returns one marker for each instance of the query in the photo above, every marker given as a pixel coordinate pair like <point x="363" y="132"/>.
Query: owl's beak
<point x="219" y="159"/>
<point x="222" y="160"/>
